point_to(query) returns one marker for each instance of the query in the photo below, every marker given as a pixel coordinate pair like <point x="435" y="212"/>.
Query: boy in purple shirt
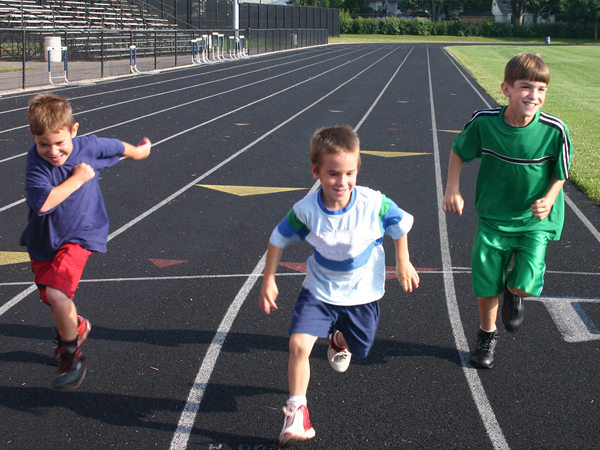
<point x="67" y="217"/>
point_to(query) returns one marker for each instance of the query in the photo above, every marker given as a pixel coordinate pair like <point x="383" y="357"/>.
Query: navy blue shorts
<point x="357" y="323"/>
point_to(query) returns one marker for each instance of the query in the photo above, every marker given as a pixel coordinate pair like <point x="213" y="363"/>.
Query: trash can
<point x="54" y="42"/>
<point x="547" y="39"/>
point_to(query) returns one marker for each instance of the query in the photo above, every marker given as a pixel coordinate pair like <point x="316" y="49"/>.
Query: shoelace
<point x="341" y="355"/>
<point x="487" y="343"/>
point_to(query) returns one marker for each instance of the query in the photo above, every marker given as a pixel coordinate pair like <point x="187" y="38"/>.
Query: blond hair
<point x="526" y="66"/>
<point x="49" y="112"/>
<point x="333" y="140"/>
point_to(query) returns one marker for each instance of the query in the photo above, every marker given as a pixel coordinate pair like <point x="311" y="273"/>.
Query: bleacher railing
<point x="97" y="54"/>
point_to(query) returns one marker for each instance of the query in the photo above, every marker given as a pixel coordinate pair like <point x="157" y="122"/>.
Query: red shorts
<point x="62" y="272"/>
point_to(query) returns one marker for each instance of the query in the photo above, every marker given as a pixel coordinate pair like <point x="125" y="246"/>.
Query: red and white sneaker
<point x="296" y="425"/>
<point x="83" y="329"/>
<point x="338" y="357"/>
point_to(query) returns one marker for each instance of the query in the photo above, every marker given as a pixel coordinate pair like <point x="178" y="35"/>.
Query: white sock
<point x="495" y="328"/>
<point x="297" y="400"/>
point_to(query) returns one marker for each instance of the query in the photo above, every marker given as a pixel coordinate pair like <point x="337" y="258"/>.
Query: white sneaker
<point x="296" y="425"/>
<point x="339" y="358"/>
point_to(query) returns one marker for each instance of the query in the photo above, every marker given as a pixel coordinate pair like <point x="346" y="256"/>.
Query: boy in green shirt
<point x="525" y="158"/>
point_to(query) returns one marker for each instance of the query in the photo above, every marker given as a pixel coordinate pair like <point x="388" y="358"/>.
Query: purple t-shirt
<point x="82" y="217"/>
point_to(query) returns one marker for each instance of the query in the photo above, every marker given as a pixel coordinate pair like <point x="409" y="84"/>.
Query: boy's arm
<point x="406" y="273"/>
<point x="453" y="201"/>
<point x="140" y="151"/>
<point x="268" y="291"/>
<point x="82" y="173"/>
<point x="542" y="207"/>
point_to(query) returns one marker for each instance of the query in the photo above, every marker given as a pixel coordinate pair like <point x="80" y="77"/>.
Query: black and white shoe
<point x="482" y="356"/>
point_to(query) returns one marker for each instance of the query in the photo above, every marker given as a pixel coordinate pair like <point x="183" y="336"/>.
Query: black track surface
<point x="248" y="123"/>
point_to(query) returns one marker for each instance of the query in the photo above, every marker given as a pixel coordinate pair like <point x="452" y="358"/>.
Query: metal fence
<point x="97" y="54"/>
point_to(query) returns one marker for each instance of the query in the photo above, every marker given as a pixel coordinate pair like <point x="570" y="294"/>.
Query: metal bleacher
<point x="108" y="14"/>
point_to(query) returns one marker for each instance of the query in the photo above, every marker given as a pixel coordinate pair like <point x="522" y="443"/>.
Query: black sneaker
<point x="512" y="311"/>
<point x="482" y="356"/>
<point x="71" y="370"/>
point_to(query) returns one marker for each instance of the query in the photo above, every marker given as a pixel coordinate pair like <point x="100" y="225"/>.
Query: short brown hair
<point x="333" y="140"/>
<point x="526" y="66"/>
<point x="49" y="112"/>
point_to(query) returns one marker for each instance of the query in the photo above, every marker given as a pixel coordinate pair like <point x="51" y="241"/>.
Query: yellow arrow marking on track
<point x="403" y="101"/>
<point x="242" y="124"/>
<point x="335" y="111"/>
<point x="393" y="154"/>
<point x="7" y="258"/>
<point x="451" y="131"/>
<point x="243" y="191"/>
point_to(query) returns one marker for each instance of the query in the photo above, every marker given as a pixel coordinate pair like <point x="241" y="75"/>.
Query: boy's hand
<point x="144" y="146"/>
<point x="453" y="202"/>
<point x="83" y="173"/>
<point x="407" y="275"/>
<point x="137" y="152"/>
<point x="268" y="295"/>
<point x="541" y="208"/>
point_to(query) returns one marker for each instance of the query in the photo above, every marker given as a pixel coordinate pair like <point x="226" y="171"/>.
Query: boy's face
<point x="338" y="178"/>
<point x="525" y="97"/>
<point x="56" y="147"/>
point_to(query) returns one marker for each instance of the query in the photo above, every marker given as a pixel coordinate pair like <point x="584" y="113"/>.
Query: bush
<point x="424" y="27"/>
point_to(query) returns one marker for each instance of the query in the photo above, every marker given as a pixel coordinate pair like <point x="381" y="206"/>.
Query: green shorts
<point x="492" y="255"/>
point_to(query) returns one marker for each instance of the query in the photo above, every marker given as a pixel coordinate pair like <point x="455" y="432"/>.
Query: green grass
<point x="380" y="38"/>
<point x="573" y="95"/>
<point x="15" y="69"/>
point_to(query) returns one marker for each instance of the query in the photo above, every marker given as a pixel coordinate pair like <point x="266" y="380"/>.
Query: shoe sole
<point x="291" y="439"/>
<point x="479" y="365"/>
<point x="71" y="386"/>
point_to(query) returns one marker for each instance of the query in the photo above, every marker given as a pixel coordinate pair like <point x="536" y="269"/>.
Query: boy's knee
<point x="301" y="344"/>
<point x="519" y="292"/>
<point x="55" y="297"/>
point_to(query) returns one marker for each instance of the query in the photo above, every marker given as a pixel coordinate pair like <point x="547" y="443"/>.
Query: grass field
<point x="573" y="92"/>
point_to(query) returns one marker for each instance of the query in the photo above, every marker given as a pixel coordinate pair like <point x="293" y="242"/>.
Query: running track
<point x="181" y="357"/>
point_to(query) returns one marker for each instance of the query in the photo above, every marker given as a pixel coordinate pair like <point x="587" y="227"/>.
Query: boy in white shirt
<point x="345" y="275"/>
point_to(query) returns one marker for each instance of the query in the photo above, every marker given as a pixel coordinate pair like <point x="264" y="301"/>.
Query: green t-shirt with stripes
<point x="516" y="169"/>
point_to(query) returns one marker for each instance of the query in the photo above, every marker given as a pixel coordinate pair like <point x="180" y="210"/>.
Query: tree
<point x="518" y="9"/>
<point x="587" y="11"/>
<point x="543" y="8"/>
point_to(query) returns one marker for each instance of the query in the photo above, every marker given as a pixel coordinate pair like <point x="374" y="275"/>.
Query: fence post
<point x="155" y="48"/>
<point x="175" y="48"/>
<point x="24" y="57"/>
<point x="101" y="53"/>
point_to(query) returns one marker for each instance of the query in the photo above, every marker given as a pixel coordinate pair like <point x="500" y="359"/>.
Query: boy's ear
<point x="314" y="171"/>
<point x="505" y="88"/>
<point x="74" y="129"/>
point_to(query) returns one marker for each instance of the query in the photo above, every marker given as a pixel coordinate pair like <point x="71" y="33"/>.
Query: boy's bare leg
<point x="65" y="314"/>
<point x="488" y="312"/>
<point x="301" y="346"/>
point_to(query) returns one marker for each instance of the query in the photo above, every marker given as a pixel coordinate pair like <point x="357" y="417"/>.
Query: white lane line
<point x="568" y="200"/>
<point x="18" y="202"/>
<point x="454" y="271"/>
<point x="188" y="417"/>
<point x="479" y="396"/>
